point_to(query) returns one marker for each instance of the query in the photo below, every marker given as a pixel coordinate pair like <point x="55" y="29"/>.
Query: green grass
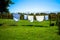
<point x="22" y="30"/>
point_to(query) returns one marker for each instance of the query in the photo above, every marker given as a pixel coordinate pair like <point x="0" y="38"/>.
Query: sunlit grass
<point x="25" y="30"/>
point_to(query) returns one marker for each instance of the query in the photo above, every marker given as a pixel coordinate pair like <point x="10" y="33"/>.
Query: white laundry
<point x="46" y="17"/>
<point x="39" y="18"/>
<point x="16" y="16"/>
<point x="25" y="17"/>
<point x="30" y="18"/>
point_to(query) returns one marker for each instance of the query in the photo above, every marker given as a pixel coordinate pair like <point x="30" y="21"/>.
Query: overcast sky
<point x="35" y="6"/>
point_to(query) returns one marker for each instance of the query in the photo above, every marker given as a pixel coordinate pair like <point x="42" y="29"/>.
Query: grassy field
<point x="25" y="30"/>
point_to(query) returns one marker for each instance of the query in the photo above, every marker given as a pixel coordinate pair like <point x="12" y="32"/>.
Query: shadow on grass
<point x="13" y="25"/>
<point x="1" y="24"/>
<point x="35" y="25"/>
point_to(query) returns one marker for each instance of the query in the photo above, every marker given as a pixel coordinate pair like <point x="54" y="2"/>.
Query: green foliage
<point x="6" y="16"/>
<point x="52" y="17"/>
<point x="4" y="4"/>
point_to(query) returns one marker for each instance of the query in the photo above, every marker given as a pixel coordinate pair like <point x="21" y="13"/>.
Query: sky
<point x="35" y="6"/>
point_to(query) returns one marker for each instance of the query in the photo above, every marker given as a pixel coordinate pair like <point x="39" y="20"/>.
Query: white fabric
<point x="16" y="16"/>
<point x="39" y="18"/>
<point x="30" y="18"/>
<point x="15" y="19"/>
<point x="46" y="17"/>
<point x="25" y="16"/>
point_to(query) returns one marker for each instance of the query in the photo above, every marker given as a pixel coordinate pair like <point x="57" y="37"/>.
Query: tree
<point x="58" y="22"/>
<point x="4" y="4"/>
<point x="52" y="18"/>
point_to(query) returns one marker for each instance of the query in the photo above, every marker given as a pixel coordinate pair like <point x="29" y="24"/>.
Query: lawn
<point x="25" y="30"/>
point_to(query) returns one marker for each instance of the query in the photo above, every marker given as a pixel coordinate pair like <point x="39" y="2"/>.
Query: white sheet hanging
<point x="25" y="17"/>
<point x="39" y="18"/>
<point x="16" y="16"/>
<point x="30" y="18"/>
<point x="46" y="17"/>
